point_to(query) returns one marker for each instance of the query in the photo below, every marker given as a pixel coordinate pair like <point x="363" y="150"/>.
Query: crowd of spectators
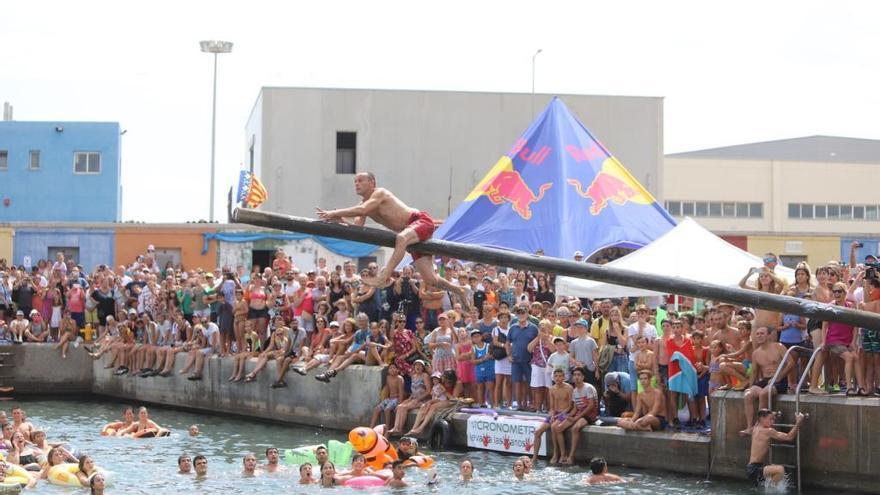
<point x="498" y="344"/>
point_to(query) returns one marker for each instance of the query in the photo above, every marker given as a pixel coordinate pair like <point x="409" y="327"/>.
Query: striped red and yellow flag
<point x="251" y="192"/>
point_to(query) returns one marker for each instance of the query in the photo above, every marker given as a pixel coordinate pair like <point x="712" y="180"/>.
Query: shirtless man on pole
<point x="762" y="434"/>
<point x="766" y="358"/>
<point x="412" y="226"/>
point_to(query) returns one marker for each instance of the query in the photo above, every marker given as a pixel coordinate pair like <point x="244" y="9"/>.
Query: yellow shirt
<point x="599" y="331"/>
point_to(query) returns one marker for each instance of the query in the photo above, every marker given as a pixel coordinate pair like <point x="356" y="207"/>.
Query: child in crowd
<point x="716" y="378"/>
<point x="484" y="368"/>
<point x="393" y="394"/>
<point x="701" y="357"/>
<point x="464" y="357"/>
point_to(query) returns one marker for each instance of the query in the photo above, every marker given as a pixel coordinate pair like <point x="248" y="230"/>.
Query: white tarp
<point x="688" y="251"/>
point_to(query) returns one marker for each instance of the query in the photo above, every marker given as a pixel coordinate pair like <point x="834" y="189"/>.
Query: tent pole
<point x="590" y="271"/>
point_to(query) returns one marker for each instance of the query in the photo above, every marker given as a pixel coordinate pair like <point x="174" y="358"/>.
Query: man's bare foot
<point x="553" y="460"/>
<point x="746" y="433"/>
<point x="566" y="461"/>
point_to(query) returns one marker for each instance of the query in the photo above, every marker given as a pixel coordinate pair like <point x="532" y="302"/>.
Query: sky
<point x="730" y="73"/>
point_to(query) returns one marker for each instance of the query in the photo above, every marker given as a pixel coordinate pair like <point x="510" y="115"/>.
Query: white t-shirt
<point x="632" y="333"/>
<point x="210" y="329"/>
<point x="559" y="361"/>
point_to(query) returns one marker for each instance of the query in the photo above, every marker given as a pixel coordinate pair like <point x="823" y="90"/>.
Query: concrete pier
<point x="837" y="442"/>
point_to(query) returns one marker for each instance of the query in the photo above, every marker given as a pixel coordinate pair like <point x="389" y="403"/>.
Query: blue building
<point x="60" y="172"/>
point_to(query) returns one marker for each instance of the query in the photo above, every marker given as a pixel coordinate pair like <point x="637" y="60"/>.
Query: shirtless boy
<point x="412" y="226"/>
<point x="584" y="411"/>
<point x="762" y="434"/>
<point x="600" y="475"/>
<point x="650" y="408"/>
<point x="561" y="405"/>
<point x="394" y="384"/>
<point x="765" y="359"/>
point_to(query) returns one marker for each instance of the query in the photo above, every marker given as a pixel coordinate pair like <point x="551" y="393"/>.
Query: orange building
<point x="177" y="243"/>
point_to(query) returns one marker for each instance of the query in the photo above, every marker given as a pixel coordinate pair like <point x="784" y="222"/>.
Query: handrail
<point x="778" y="370"/>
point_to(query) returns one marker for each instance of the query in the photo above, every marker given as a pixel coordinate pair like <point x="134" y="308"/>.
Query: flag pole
<point x="589" y="271"/>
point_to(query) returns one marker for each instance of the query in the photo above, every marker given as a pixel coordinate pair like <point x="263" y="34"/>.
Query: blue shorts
<point x="521" y="372"/>
<point x="484" y="373"/>
<point x="703" y="385"/>
<point x="79" y="318"/>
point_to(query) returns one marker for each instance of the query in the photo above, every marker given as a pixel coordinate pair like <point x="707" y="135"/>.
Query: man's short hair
<point x="181" y="458"/>
<point x="597" y="465"/>
<point x="763" y="413"/>
<point x="369" y="175"/>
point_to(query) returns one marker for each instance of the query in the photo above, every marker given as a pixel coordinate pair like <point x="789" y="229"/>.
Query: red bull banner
<point x="557" y="189"/>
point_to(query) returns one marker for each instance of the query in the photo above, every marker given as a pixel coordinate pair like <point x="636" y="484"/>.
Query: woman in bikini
<point x="420" y="394"/>
<point x="86" y="470"/>
<point x="144" y="427"/>
<point x="258" y="306"/>
<point x="111" y="429"/>
<point x="252" y="347"/>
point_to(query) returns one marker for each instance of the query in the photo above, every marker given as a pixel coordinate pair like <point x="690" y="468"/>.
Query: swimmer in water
<point x="96" y="484"/>
<point x="86" y="470"/>
<point x="305" y="474"/>
<point x="600" y="473"/>
<point x="407" y="447"/>
<point x="201" y="464"/>
<point x="249" y="461"/>
<point x="184" y="464"/>
<point x="519" y="469"/>
<point x="322" y="455"/>
<point x="194" y="431"/>
<point x="328" y="475"/>
<point x="528" y="463"/>
<point x="32" y="481"/>
<point x="466" y="469"/>
<point x="143" y="428"/>
<point x="359" y="468"/>
<point x="272" y="464"/>
<point x="114" y="428"/>
<point x="397" y="474"/>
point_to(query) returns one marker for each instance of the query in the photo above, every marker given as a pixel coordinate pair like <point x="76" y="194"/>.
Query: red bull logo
<point x="613" y="184"/>
<point x="503" y="184"/>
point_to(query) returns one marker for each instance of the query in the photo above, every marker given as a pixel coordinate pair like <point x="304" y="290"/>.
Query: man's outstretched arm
<point x="358" y="212"/>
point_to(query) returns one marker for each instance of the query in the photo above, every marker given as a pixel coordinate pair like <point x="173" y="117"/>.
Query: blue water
<point x="149" y="466"/>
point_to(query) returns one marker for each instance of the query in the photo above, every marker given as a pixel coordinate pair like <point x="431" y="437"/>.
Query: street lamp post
<point x="215" y="47"/>
<point x="533" y="80"/>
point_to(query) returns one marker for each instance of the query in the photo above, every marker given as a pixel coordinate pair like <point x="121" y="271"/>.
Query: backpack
<point x="499" y="352"/>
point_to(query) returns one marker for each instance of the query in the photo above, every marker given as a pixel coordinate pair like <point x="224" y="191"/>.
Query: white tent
<point x="688" y="251"/>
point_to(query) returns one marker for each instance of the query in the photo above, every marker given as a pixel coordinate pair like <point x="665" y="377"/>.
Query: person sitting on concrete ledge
<point x="279" y="344"/>
<point x="650" y="408"/>
<point x="600" y="475"/>
<point x="356" y="352"/>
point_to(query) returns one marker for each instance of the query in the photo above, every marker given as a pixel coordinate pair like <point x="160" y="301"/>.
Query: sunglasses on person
<point x="838" y="291"/>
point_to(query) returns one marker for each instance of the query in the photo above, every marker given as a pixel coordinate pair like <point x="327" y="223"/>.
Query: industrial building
<point x="429" y="147"/>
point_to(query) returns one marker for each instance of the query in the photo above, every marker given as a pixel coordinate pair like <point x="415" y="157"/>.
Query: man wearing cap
<point x="519" y="336"/>
<point x="585" y="351"/>
<point x="19" y="326"/>
<point x="578" y="256"/>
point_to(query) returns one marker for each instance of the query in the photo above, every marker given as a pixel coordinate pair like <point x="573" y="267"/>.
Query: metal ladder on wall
<point x="797" y="408"/>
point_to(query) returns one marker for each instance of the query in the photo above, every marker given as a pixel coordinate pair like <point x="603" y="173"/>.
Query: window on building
<point x="742" y="210"/>
<point x="820" y="211"/>
<point x="34" y="160"/>
<point x="714" y="209"/>
<point x="792" y="259"/>
<point x="846" y="212"/>
<point x="871" y="212"/>
<point x="71" y="253"/>
<point x="728" y="209"/>
<point x="687" y="208"/>
<point x="674" y="208"/>
<point x="4" y="159"/>
<point x="702" y="209"/>
<point x="834" y="211"/>
<point x="858" y="212"/>
<point x="794" y="210"/>
<point x="806" y="211"/>
<point x="756" y="210"/>
<point x="87" y="162"/>
<point x="346" y="152"/>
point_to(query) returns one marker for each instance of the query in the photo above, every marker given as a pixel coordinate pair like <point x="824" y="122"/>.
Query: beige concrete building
<point x="804" y="198"/>
<point x="429" y="147"/>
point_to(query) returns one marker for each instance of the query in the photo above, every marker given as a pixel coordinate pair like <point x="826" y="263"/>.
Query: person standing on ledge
<point x="411" y="225"/>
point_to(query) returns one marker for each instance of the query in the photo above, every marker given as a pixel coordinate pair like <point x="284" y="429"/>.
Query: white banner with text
<point x="516" y="436"/>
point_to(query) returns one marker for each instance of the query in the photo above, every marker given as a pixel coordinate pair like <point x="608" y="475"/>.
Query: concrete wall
<point x="39" y="369"/>
<point x="343" y="403"/>
<point x="424" y="145"/>
<point x="133" y="240"/>
<point x="95" y="245"/>
<point x="837" y="441"/>
<point x="54" y="192"/>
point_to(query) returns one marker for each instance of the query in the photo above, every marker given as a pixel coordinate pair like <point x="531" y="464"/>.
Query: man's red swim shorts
<point x="423" y="225"/>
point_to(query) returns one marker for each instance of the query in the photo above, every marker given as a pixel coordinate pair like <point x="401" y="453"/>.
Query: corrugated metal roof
<point x="803" y="149"/>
